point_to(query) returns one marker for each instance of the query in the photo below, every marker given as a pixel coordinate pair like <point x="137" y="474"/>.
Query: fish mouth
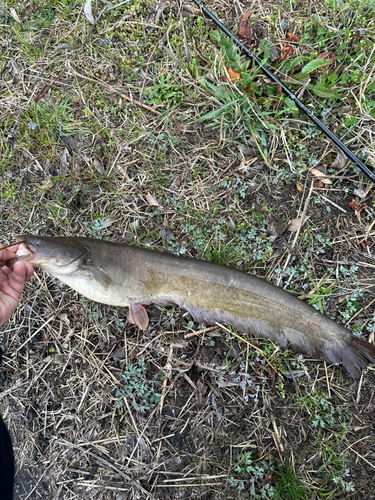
<point x="25" y="249"/>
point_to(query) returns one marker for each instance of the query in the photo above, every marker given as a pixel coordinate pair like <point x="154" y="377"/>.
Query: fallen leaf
<point x="291" y="38"/>
<point x="275" y="51"/>
<point x="66" y="161"/>
<point x="294" y="225"/>
<point x="340" y="161"/>
<point x="70" y="141"/>
<point x="244" y="30"/>
<point x="234" y="76"/>
<point x="330" y="56"/>
<point x="272" y="373"/>
<point x="87" y="9"/>
<point x="59" y="359"/>
<point x="359" y="34"/>
<point x="360" y="193"/>
<point x="318" y="184"/>
<point x="14" y="69"/>
<point x="317" y="173"/>
<point x="286" y="51"/>
<point x="189" y="8"/>
<point x="354" y="206"/>
<point x="14" y="14"/>
<point x="177" y="124"/>
<point x="152" y="201"/>
<point x="275" y="228"/>
<point x="300" y="187"/>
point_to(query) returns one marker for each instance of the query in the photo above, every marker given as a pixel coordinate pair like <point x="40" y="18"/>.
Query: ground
<point x="149" y="129"/>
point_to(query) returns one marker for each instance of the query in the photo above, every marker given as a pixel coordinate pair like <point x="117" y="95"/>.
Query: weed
<point x="253" y="477"/>
<point x="54" y="120"/>
<point x="8" y="190"/>
<point x="288" y="485"/>
<point x="327" y="418"/>
<point x="138" y="389"/>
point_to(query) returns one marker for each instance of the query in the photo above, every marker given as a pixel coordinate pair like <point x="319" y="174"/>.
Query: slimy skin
<point x="122" y="275"/>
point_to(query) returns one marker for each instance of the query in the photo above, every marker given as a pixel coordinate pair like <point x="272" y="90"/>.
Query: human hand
<point x="12" y="282"/>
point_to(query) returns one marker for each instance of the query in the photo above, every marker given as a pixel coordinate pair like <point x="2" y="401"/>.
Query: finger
<point x="29" y="271"/>
<point x="18" y="277"/>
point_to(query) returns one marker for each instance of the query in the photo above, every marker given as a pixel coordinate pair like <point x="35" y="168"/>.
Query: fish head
<point x="57" y="255"/>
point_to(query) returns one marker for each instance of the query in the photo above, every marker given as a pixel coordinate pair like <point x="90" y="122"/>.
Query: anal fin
<point x="137" y="315"/>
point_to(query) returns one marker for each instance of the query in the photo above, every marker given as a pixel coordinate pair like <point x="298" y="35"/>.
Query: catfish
<point x="123" y="275"/>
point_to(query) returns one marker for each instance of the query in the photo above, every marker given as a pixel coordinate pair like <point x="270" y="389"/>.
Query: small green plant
<point x="55" y="120"/>
<point x="253" y="482"/>
<point x="330" y="421"/>
<point x="9" y="190"/>
<point x="138" y="389"/>
<point x="288" y="485"/>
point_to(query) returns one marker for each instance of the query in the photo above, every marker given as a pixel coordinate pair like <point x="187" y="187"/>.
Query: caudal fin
<point x="356" y="355"/>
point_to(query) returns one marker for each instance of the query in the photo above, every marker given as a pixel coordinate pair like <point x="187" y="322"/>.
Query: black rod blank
<point x="288" y="92"/>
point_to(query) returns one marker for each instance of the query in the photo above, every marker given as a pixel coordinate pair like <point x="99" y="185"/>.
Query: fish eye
<point x="38" y="243"/>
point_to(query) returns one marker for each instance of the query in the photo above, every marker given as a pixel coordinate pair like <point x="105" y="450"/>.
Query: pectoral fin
<point x="137" y="315"/>
<point x="98" y="275"/>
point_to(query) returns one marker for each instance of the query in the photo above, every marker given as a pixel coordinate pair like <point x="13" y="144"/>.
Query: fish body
<point x="122" y="275"/>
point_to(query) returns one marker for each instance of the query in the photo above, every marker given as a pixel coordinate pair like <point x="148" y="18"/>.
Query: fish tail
<point x="357" y="354"/>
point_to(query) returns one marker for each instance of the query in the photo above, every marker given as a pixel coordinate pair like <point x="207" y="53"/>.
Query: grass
<point x="224" y="155"/>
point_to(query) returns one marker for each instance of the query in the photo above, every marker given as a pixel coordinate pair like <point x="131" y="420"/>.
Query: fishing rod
<point x="288" y="92"/>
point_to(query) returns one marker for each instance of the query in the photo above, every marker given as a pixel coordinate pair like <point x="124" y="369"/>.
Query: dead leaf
<point x="340" y="161"/>
<point x="299" y="186"/>
<point x="70" y="141"/>
<point x="287" y="50"/>
<point x="291" y="38"/>
<point x="275" y="228"/>
<point x="66" y="161"/>
<point x="14" y="14"/>
<point x="330" y="56"/>
<point x="201" y="392"/>
<point x="318" y="184"/>
<point x="87" y="9"/>
<point x="360" y="193"/>
<point x="244" y="30"/>
<point x="189" y="8"/>
<point x="14" y="69"/>
<point x="59" y="359"/>
<point x="275" y="51"/>
<point x="294" y="225"/>
<point x="118" y="354"/>
<point x="354" y="206"/>
<point x="177" y="124"/>
<point x="233" y="75"/>
<point x="317" y="173"/>
<point x="152" y="201"/>
<point x="272" y="373"/>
